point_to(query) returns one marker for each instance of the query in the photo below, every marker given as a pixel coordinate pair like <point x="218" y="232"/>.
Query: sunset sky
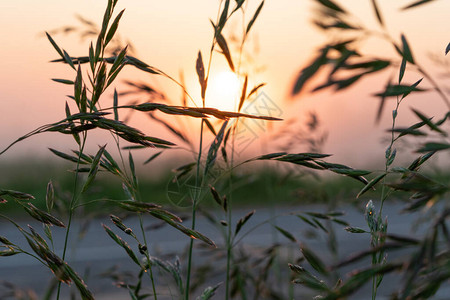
<point x="169" y="34"/>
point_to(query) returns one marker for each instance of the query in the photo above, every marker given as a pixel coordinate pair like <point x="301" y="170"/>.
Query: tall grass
<point x="423" y="271"/>
<point x="425" y="261"/>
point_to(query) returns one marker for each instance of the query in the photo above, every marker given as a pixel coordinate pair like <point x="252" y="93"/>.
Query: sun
<point x="223" y="91"/>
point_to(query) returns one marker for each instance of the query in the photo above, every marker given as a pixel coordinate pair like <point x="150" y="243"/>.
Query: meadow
<point x="102" y="179"/>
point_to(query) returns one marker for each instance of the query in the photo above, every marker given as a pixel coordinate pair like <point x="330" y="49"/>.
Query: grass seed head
<point x="370" y="216"/>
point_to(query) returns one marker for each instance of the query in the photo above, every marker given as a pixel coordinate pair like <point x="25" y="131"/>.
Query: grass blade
<point x="414" y="4"/>
<point x="242" y="221"/>
<point x="193" y="234"/>
<point x="286" y="234"/>
<point x="244" y="92"/>
<point x="133" y="170"/>
<point x="16" y="195"/>
<point x="122" y="243"/>
<point x="64" y="155"/>
<point x="216" y="195"/>
<point x="94" y="169"/>
<point x="50" y="196"/>
<point x="55" y="45"/>
<point x="68" y="59"/>
<point x="371" y="184"/>
<point x="63" y="81"/>
<point x="377" y="12"/>
<point x="331" y="5"/>
<point x="42" y="216"/>
<point x="252" y="21"/>
<point x="307" y="279"/>
<point x="208" y="293"/>
<point x="428" y="122"/>
<point x="200" y="68"/>
<point x="115" y="104"/>
<point x="314" y="260"/>
<point x="223" y="17"/>
<point x="308" y="72"/>
<point x="355" y="230"/>
<point x="432" y="147"/>
<point x="212" y="153"/>
<point x="113" y="28"/>
<point x="407" y="54"/>
<point x="210" y="126"/>
<point x="81" y="286"/>
<point x="402" y="70"/>
<point x="255" y="89"/>
<point x="307" y="221"/>
<point x="152" y="157"/>
<point x="398" y="90"/>
<point x="225" y="51"/>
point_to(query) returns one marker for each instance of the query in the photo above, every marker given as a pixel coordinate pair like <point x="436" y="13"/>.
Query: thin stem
<point x="198" y="185"/>
<point x="229" y="252"/>
<point x="384" y="195"/>
<point x="147" y="255"/>
<point x="229" y="215"/>
<point x="147" y="251"/>
<point x="374" y="288"/>
<point x="141" y="223"/>
<point x="194" y="210"/>
<point x="72" y="205"/>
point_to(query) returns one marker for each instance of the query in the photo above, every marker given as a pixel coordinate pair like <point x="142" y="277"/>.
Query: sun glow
<point x="223" y="91"/>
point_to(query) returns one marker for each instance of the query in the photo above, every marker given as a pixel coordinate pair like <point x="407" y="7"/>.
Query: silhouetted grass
<point x="102" y="184"/>
<point x="250" y="189"/>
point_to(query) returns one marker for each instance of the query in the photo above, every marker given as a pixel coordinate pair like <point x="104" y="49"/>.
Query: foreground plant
<point x="102" y="71"/>
<point x="426" y="192"/>
<point x="423" y="272"/>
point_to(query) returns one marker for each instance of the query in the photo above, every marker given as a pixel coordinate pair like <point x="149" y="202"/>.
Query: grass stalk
<point x="72" y="206"/>
<point x="141" y="222"/>
<point x="198" y="182"/>
<point x="229" y="240"/>
<point x="195" y="200"/>
<point x="230" y="237"/>
<point x="147" y="255"/>
<point x="385" y="192"/>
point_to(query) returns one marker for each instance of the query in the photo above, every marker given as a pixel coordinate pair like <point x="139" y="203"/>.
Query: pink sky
<point x="168" y="35"/>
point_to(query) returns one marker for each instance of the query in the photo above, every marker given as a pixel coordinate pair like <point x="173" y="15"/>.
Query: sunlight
<point x="223" y="91"/>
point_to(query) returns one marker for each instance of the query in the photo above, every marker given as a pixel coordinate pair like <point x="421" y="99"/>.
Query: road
<point x="96" y="251"/>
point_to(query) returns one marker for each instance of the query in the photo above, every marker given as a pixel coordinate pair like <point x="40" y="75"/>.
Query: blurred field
<point x="263" y="188"/>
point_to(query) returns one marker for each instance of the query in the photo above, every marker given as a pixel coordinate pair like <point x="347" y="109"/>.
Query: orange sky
<point x="168" y="35"/>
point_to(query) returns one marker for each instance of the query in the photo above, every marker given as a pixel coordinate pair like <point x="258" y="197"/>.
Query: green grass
<point x="102" y="184"/>
<point x="249" y="190"/>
